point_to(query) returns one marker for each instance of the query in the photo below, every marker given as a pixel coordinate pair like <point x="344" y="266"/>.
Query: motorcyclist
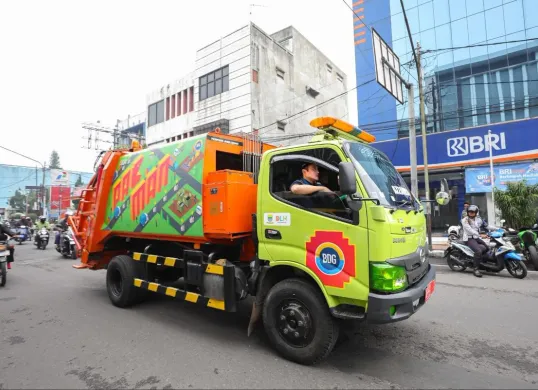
<point x="472" y="224"/>
<point x="42" y="223"/>
<point x="5" y="233"/>
<point x="61" y="227"/>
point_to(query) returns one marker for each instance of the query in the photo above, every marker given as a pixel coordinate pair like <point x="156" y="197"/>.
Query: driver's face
<point x="471" y="214"/>
<point x="311" y="173"/>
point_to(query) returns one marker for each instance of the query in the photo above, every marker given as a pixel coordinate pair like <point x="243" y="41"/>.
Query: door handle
<point x="273" y="234"/>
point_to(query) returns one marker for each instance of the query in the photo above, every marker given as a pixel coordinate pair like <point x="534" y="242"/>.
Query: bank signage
<point x="511" y="141"/>
<point x="479" y="179"/>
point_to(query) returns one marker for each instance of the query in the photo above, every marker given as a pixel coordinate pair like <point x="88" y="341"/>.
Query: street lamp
<point x="42" y="166"/>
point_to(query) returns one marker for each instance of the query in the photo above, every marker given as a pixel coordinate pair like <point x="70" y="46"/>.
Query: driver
<point x="472" y="224"/>
<point x="309" y="184"/>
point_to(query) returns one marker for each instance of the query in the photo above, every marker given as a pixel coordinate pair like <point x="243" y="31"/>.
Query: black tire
<point x="452" y="264"/>
<point x="533" y="255"/>
<point x="517" y="269"/>
<point x="299" y="300"/>
<point x="44" y="246"/>
<point x="38" y="245"/>
<point x="121" y="272"/>
<point x="74" y="253"/>
<point x="3" y="278"/>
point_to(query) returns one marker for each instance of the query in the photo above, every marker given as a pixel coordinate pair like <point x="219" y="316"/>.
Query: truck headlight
<point x="388" y="278"/>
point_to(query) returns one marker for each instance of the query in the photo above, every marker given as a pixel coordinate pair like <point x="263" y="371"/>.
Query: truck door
<point x="319" y="234"/>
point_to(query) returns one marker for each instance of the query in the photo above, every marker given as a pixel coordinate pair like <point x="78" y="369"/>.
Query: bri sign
<point x="511" y="141"/>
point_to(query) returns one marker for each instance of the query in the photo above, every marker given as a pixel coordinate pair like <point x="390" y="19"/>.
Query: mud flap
<point x="262" y="289"/>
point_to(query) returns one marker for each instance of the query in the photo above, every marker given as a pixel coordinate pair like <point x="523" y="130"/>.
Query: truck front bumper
<point x="387" y="308"/>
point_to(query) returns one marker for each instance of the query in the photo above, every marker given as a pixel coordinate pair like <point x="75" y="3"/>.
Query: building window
<point x="191" y="134"/>
<point x="178" y="103"/>
<point x="156" y="113"/>
<point x="184" y="101"/>
<point x="329" y="69"/>
<point x="191" y="99"/>
<point x="339" y="77"/>
<point x="214" y="83"/>
<point x="281" y="125"/>
<point x="280" y="73"/>
<point x="255" y="76"/>
<point x="173" y="106"/>
<point x="167" y="108"/>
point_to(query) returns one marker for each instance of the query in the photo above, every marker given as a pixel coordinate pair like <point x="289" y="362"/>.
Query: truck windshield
<point x="379" y="177"/>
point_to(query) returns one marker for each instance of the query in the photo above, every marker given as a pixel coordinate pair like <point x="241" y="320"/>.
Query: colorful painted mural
<point x="159" y="190"/>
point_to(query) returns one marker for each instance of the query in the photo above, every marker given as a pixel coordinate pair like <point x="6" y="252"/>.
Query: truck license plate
<point x="429" y="290"/>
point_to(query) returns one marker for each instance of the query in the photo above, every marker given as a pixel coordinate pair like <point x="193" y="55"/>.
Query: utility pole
<point x="424" y="148"/>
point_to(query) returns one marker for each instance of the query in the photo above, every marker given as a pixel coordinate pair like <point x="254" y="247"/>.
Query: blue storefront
<point x="462" y="157"/>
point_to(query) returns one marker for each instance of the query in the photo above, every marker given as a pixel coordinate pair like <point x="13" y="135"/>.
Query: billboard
<point x="60" y="198"/>
<point x="511" y="141"/>
<point x="59" y="177"/>
<point x="479" y="179"/>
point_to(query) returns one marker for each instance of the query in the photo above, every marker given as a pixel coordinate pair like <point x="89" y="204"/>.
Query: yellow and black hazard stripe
<point x="215" y="269"/>
<point x="180" y="294"/>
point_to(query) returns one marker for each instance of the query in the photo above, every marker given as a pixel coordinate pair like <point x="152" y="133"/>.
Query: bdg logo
<point x="463" y="146"/>
<point x="332" y="258"/>
<point x="329" y="259"/>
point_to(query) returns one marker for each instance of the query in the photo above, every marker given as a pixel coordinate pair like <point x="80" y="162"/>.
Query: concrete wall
<point x="276" y="99"/>
<point x="235" y="104"/>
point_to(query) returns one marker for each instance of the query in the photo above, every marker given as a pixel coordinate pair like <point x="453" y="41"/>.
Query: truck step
<point x="181" y="295"/>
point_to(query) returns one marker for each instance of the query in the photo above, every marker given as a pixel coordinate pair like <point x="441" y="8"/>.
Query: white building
<point x="248" y="81"/>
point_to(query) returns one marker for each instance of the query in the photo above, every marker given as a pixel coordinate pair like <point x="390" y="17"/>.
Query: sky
<point x="68" y="62"/>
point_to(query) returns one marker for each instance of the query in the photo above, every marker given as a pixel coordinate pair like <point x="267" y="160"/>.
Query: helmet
<point x="42" y="218"/>
<point x="472" y="209"/>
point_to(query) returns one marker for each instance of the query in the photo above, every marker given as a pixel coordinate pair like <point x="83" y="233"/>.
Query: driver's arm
<point x="306" y="189"/>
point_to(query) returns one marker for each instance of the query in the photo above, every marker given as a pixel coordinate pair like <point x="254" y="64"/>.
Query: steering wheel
<point x="329" y="199"/>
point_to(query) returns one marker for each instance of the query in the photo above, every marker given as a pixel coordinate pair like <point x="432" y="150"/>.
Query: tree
<point x="18" y="201"/>
<point x="79" y="182"/>
<point x="54" y="162"/>
<point x="518" y="204"/>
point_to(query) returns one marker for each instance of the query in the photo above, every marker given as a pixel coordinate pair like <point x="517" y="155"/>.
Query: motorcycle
<point x="527" y="242"/>
<point x="42" y="238"/>
<point x="67" y="245"/>
<point x="501" y="254"/>
<point x="4" y="253"/>
<point x="23" y="234"/>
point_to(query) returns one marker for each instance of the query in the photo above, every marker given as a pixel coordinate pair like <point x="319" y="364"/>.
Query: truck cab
<point x="363" y="244"/>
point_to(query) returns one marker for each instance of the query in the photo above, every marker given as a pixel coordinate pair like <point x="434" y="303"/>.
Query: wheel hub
<point x="295" y="324"/>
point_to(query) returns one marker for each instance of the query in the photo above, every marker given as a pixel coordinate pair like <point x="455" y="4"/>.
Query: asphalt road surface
<point x="59" y="330"/>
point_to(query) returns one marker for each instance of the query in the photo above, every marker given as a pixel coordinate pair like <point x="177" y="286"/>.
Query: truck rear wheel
<point x="120" y="275"/>
<point x="298" y="323"/>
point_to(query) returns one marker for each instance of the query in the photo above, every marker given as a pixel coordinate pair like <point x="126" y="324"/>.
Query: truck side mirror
<point x="346" y="178"/>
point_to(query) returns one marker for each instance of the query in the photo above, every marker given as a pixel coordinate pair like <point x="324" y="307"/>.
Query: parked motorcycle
<point x="42" y="238"/>
<point x="501" y="254"/>
<point x="527" y="241"/>
<point x="23" y="234"/>
<point x="67" y="245"/>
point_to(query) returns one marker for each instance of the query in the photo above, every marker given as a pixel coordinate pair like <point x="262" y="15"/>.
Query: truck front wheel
<point x="298" y="323"/>
<point x="120" y="275"/>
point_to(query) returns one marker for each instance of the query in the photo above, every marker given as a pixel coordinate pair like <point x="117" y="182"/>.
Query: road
<point x="58" y="330"/>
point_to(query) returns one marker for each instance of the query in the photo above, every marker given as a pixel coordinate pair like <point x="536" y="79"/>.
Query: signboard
<point x="478" y="179"/>
<point x="59" y="177"/>
<point x="512" y="141"/>
<point x="383" y="74"/>
<point x="60" y="194"/>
